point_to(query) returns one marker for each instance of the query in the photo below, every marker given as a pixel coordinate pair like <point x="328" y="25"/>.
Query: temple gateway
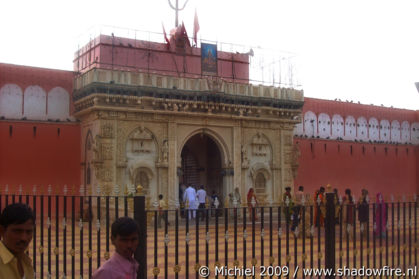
<point x="165" y="114"/>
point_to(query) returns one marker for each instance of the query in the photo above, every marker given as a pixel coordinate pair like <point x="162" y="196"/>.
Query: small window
<point x="10" y="131"/>
<point x="34" y="131"/>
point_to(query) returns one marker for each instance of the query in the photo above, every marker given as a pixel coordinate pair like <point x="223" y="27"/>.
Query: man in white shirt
<point x="202" y="196"/>
<point x="189" y="196"/>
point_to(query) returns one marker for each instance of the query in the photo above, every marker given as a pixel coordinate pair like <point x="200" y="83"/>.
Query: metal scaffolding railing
<point x="267" y="66"/>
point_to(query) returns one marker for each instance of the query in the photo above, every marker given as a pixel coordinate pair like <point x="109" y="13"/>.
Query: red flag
<point x="184" y="34"/>
<point x="195" y="28"/>
<point x="165" y="35"/>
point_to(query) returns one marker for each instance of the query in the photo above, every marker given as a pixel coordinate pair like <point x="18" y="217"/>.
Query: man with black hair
<point x="17" y="223"/>
<point x="125" y="238"/>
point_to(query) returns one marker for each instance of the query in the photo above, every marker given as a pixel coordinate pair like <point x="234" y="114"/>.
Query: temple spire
<point x="177" y="9"/>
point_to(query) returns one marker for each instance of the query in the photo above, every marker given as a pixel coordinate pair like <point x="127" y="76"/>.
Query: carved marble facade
<point x="139" y="140"/>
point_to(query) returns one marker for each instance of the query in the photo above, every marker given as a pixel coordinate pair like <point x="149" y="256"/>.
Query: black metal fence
<point x="72" y="237"/>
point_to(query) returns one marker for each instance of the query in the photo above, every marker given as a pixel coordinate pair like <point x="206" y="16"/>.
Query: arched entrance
<point x="201" y="164"/>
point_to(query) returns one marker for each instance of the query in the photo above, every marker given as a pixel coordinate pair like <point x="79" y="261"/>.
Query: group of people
<point x="345" y="210"/>
<point x="194" y="200"/>
<point x="17" y="223"/>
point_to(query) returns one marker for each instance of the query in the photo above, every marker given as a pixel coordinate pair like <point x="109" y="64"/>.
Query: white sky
<point x="362" y="50"/>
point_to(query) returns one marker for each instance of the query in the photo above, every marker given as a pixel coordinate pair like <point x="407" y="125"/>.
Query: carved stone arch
<point x="260" y="167"/>
<point x="260" y="176"/>
<point x="142" y="133"/>
<point x="219" y="141"/>
<point x="256" y="142"/>
<point x="142" y="174"/>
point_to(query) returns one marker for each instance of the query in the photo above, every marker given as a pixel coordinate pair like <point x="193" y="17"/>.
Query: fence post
<point x="141" y="218"/>
<point x="329" y="235"/>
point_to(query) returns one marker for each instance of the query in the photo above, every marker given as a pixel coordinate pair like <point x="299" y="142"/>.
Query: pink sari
<point x="380" y="216"/>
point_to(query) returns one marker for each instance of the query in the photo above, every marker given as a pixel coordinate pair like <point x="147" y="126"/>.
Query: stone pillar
<point x="237" y="159"/>
<point x="281" y="181"/>
<point x="173" y="182"/>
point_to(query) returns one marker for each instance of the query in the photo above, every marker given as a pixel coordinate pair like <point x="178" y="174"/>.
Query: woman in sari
<point x="250" y="196"/>
<point x="319" y="207"/>
<point x="348" y="212"/>
<point x="380" y="216"/>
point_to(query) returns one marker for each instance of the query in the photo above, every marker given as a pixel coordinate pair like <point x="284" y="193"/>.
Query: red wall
<point x="394" y="172"/>
<point x="132" y="55"/>
<point x="41" y="159"/>
<point x="25" y="76"/>
<point x="357" y="110"/>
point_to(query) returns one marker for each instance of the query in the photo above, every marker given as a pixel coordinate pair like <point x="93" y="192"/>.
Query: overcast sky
<point x="364" y="51"/>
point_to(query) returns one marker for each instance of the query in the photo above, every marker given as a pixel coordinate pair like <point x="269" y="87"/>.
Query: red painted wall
<point x="25" y="76"/>
<point x="395" y="172"/>
<point x="42" y="159"/>
<point x="357" y="110"/>
<point x="133" y="55"/>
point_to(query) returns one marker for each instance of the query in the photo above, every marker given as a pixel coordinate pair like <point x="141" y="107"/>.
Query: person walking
<point x="363" y="212"/>
<point x="319" y="207"/>
<point x="202" y="198"/>
<point x="288" y="204"/>
<point x="161" y="213"/>
<point x="348" y="212"/>
<point x="297" y="208"/>
<point x="238" y="198"/>
<point x="380" y="216"/>
<point x="250" y="197"/>
<point x="337" y="207"/>
<point x="189" y="198"/>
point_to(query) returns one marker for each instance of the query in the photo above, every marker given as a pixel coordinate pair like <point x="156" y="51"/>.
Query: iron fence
<point x="72" y="236"/>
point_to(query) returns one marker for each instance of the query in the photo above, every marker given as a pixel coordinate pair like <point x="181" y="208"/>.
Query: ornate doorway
<point x="201" y="164"/>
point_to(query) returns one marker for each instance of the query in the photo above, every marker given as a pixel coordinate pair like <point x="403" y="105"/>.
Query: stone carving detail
<point x="107" y="151"/>
<point x="89" y="144"/>
<point x="288" y="140"/>
<point x="295" y="155"/>
<point x="141" y="141"/>
<point x="214" y="83"/>
<point x="107" y="175"/>
<point x="245" y="159"/>
<point x="97" y="148"/>
<point x="288" y="176"/>
<point x="107" y="130"/>
<point x="260" y="146"/>
<point x="288" y="158"/>
<point x="165" y="151"/>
